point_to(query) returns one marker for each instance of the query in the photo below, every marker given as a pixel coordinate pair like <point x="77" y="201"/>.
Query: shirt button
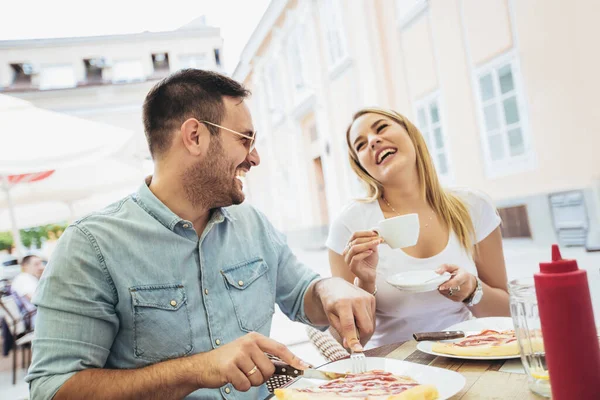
<point x="206" y="292"/>
<point x="186" y="226"/>
<point x="217" y="342"/>
<point x="173" y="303"/>
<point x="227" y="390"/>
<point x="241" y="283"/>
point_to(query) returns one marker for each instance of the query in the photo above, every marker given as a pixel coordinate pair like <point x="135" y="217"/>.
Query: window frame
<point x="508" y="165"/>
<point x="274" y="89"/>
<point x="405" y="16"/>
<point x="331" y="20"/>
<point x="425" y="102"/>
<point x="297" y="58"/>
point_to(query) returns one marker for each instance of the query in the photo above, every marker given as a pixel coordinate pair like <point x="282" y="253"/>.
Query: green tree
<point x="32" y="236"/>
<point x="6" y="241"/>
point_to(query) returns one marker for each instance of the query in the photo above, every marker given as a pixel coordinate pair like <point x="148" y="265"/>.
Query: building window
<point x="296" y="60"/>
<point x="274" y="92"/>
<point x="127" y="71"/>
<point x="160" y="64"/>
<point x="93" y="69"/>
<point x="515" y="222"/>
<point x="407" y="10"/>
<point x="429" y="122"/>
<point x="196" y="61"/>
<point x="21" y="75"/>
<point x="57" y="77"/>
<point x="217" y="57"/>
<point x="314" y="134"/>
<point x="256" y="105"/>
<point x="502" y="114"/>
<point x="333" y="30"/>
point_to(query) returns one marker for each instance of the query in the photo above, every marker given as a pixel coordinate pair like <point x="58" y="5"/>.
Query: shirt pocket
<point x="161" y="322"/>
<point x="251" y="293"/>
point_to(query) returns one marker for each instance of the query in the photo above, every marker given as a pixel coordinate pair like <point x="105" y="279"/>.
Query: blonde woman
<point x="459" y="233"/>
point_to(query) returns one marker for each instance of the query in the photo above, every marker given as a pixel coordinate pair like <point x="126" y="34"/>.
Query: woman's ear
<point x="195" y="136"/>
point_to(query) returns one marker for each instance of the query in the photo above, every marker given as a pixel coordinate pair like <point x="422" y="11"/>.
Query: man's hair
<point x="185" y="94"/>
<point x="27" y="259"/>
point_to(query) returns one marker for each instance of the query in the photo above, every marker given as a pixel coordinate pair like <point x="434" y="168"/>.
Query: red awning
<point x="32" y="177"/>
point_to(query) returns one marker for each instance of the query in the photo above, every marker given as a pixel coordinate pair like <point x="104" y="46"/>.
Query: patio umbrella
<point x="49" y="157"/>
<point x="34" y="140"/>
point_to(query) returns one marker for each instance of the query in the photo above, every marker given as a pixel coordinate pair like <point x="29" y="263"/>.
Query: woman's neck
<point x="404" y="194"/>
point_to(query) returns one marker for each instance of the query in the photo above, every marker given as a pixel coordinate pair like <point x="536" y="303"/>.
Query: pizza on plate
<point x="488" y="343"/>
<point x="371" y="385"/>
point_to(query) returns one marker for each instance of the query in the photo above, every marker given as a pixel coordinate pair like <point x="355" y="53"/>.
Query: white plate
<point x="447" y="382"/>
<point x="417" y="281"/>
<point x="481" y="324"/>
<point x="470" y="326"/>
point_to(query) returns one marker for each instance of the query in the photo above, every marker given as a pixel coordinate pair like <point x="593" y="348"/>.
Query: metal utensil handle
<point x="445" y="335"/>
<point x="282" y="368"/>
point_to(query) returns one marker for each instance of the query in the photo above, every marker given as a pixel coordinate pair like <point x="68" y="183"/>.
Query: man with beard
<point x="170" y="292"/>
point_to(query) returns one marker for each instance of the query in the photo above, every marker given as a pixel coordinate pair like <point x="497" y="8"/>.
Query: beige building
<point x="503" y="90"/>
<point x="105" y="78"/>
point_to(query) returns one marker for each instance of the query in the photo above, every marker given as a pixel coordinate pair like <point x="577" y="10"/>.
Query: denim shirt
<point x="133" y="285"/>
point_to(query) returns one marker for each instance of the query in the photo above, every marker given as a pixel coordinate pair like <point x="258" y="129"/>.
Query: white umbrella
<point x="76" y="183"/>
<point x="68" y="193"/>
<point x="34" y="140"/>
<point x="69" y="155"/>
<point x="50" y="212"/>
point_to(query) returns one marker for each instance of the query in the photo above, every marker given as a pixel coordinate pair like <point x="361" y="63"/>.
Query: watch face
<point x="478" y="293"/>
<point x="477" y="297"/>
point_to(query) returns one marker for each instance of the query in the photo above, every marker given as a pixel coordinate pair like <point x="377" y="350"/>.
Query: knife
<point x="282" y="368"/>
<point x="443" y="335"/>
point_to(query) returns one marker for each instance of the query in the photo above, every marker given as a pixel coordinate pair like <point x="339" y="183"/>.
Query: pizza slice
<point x="371" y="385"/>
<point x="488" y="343"/>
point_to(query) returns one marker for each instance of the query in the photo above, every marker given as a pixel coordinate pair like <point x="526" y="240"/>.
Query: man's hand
<point x="350" y="310"/>
<point x="243" y="362"/>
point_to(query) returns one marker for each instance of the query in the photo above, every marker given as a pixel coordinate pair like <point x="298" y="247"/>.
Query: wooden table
<point x="484" y="380"/>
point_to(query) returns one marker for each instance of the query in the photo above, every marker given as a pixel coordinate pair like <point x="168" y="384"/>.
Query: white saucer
<point x="417" y="281"/>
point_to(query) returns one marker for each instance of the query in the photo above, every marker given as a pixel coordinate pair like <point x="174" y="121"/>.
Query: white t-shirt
<point x="400" y="314"/>
<point x="24" y="284"/>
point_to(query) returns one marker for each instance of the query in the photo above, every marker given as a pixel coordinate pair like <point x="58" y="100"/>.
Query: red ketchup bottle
<point x="568" y="329"/>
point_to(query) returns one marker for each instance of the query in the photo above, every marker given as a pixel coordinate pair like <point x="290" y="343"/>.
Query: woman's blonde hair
<point x="447" y="206"/>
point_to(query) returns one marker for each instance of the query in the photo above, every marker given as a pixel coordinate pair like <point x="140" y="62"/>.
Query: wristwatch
<point x="475" y="298"/>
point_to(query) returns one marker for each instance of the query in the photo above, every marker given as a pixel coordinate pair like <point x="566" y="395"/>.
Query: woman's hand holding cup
<point x="362" y="257"/>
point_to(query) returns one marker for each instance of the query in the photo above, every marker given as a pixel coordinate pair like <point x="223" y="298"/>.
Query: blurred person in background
<point x="26" y="283"/>
<point x="459" y="233"/>
<point x="170" y="292"/>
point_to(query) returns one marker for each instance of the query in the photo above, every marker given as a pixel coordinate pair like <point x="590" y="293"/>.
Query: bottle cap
<point x="558" y="265"/>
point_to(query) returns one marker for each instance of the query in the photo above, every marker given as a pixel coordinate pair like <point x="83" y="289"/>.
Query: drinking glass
<point x="526" y="319"/>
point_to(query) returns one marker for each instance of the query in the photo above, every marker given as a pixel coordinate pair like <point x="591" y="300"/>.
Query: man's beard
<point x="209" y="183"/>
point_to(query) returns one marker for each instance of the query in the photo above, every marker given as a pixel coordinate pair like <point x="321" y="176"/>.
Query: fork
<point x="358" y="359"/>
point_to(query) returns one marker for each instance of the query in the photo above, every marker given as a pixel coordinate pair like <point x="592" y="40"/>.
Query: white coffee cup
<point x="399" y="232"/>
